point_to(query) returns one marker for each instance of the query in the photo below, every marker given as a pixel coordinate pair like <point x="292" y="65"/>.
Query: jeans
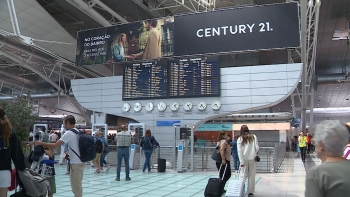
<point x="147" y="163"/>
<point x="222" y="171"/>
<point x="123" y="153"/>
<point x="103" y="159"/>
<point x="235" y="161"/>
<point x="303" y="153"/>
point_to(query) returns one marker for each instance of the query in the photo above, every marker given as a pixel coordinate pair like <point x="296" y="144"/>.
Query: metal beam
<point x="13" y="17"/>
<point x="16" y="86"/>
<point x="303" y="13"/>
<point x="185" y="6"/>
<point x="80" y="109"/>
<point x="109" y="10"/>
<point x="94" y="14"/>
<point x="25" y="65"/>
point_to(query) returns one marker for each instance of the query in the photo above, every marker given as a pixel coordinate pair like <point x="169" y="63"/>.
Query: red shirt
<point x="308" y="139"/>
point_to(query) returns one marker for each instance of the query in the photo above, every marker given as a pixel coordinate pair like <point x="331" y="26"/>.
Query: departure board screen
<point x="194" y="77"/>
<point x="147" y="80"/>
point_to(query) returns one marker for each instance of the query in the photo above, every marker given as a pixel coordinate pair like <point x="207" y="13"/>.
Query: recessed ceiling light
<point x="320" y="96"/>
<point x="318" y="104"/>
<point x="337" y="87"/>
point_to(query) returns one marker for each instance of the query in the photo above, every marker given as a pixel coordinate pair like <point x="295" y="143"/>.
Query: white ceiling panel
<point x="35" y="22"/>
<point x="37" y="31"/>
<point x="20" y="5"/>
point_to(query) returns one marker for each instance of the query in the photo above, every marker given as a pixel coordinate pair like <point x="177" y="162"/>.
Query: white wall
<point x="242" y="88"/>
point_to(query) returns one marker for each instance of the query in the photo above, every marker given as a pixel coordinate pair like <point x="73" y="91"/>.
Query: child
<point x="49" y="160"/>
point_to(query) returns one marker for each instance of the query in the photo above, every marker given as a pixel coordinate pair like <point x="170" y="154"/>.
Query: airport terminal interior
<point x="190" y="72"/>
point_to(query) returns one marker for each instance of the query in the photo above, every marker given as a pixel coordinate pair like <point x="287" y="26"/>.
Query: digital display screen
<point x="145" y="80"/>
<point x="194" y="77"/>
<point x="180" y="78"/>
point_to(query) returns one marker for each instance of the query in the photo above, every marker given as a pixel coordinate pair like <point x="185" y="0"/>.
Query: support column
<point x="293" y="105"/>
<point x="311" y="124"/>
<point x="303" y="13"/>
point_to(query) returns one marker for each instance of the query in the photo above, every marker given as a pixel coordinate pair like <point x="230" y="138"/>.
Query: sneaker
<point x="250" y="194"/>
<point x="108" y="168"/>
<point x="67" y="173"/>
<point x="127" y="179"/>
<point x="117" y="179"/>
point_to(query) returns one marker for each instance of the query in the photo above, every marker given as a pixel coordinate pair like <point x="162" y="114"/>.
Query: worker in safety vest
<point x="303" y="145"/>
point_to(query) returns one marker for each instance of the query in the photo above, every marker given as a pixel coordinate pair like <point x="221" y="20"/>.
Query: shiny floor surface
<point x="290" y="183"/>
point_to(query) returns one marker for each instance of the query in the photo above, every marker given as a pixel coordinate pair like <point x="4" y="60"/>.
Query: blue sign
<point x="168" y="123"/>
<point x="215" y="127"/>
<point x="180" y="148"/>
<point x="133" y="146"/>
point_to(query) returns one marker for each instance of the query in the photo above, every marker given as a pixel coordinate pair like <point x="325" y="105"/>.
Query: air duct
<point x="333" y="78"/>
<point x="33" y="96"/>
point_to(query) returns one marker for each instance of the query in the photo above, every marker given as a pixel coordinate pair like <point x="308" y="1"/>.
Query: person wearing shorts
<point x="10" y="149"/>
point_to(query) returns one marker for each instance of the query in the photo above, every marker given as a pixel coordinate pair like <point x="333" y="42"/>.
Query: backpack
<point x="86" y="147"/>
<point x="33" y="183"/>
<point x="146" y="143"/>
<point x="98" y="145"/>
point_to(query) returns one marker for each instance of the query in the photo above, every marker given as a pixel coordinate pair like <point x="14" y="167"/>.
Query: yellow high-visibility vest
<point x="302" y="141"/>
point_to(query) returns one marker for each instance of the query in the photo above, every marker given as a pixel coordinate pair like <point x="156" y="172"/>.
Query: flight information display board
<point x="194" y="77"/>
<point x="145" y="80"/>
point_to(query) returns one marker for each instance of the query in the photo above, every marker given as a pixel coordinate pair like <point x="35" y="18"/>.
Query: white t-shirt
<point x="72" y="140"/>
<point x="53" y="137"/>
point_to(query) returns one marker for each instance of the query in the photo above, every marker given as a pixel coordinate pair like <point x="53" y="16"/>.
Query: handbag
<point x="216" y="156"/>
<point x="257" y="158"/>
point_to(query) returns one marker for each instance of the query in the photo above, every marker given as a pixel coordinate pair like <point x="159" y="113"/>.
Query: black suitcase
<point x="215" y="186"/>
<point x="161" y="163"/>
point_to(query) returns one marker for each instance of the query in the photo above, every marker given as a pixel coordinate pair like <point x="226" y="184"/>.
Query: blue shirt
<point x="234" y="147"/>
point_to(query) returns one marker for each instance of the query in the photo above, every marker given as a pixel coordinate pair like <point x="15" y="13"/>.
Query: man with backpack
<point x="81" y="150"/>
<point x="99" y="150"/>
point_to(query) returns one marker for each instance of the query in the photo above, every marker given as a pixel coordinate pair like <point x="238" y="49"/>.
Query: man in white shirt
<point x="77" y="167"/>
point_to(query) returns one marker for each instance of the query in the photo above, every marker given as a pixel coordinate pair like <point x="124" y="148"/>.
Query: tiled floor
<point x="172" y="184"/>
<point x="290" y="184"/>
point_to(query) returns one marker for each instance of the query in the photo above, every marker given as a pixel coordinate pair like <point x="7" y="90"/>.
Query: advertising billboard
<point x="241" y="29"/>
<point x="143" y="40"/>
<point x="223" y="31"/>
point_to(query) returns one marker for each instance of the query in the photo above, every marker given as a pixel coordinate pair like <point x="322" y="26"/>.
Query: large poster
<point x="143" y="40"/>
<point x="241" y="29"/>
<point x="223" y="31"/>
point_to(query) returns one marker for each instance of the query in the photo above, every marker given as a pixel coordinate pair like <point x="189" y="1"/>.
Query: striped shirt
<point x="123" y="138"/>
<point x="347" y="152"/>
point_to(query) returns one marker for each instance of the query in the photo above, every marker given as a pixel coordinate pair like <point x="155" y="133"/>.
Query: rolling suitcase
<point x="236" y="187"/>
<point x="215" y="186"/>
<point x="161" y="163"/>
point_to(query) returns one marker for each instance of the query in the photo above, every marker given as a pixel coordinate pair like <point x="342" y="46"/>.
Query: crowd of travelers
<point x="331" y="141"/>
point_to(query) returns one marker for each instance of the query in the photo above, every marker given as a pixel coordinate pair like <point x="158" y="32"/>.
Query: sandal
<point x="97" y="171"/>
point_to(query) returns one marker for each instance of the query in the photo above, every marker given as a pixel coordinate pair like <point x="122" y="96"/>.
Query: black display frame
<point x="144" y="98"/>
<point x="168" y="65"/>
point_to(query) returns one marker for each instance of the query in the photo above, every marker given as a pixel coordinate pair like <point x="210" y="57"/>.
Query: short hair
<point x="334" y="135"/>
<point x="70" y="119"/>
<point x="153" y="22"/>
